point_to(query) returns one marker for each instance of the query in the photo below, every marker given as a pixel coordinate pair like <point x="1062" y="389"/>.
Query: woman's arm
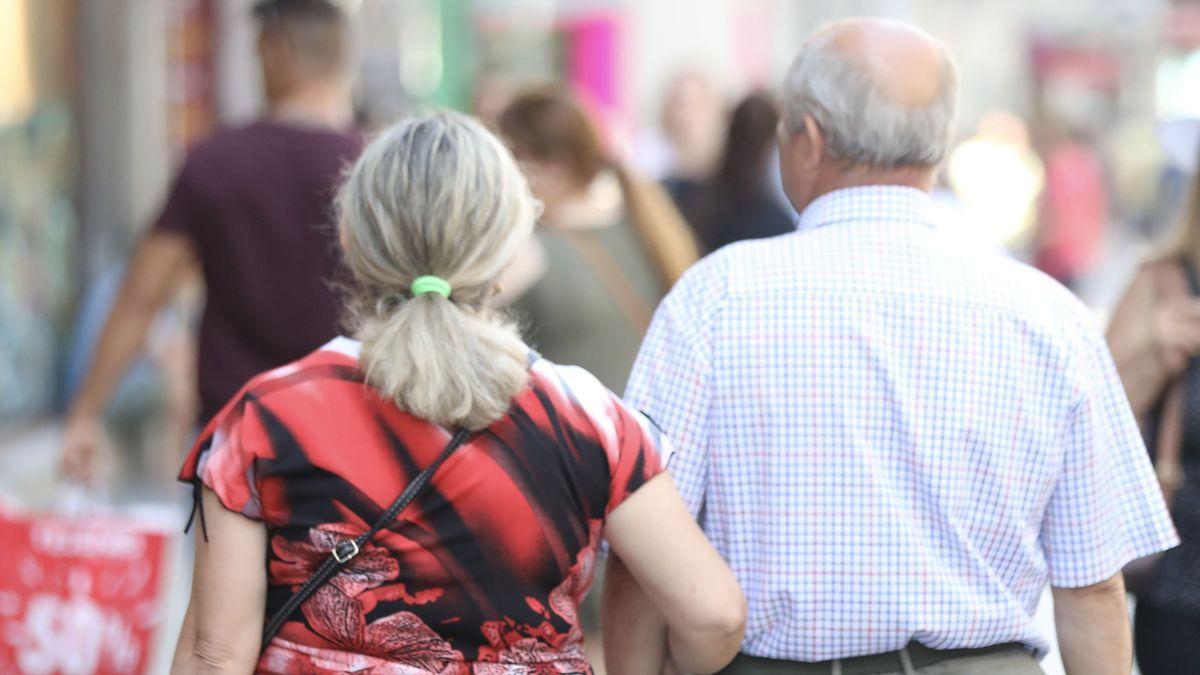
<point x="683" y="576"/>
<point x="1130" y="337"/>
<point x="224" y="621"/>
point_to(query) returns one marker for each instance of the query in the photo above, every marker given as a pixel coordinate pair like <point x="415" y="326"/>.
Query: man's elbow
<point x="1086" y="605"/>
<point x="157" y="267"/>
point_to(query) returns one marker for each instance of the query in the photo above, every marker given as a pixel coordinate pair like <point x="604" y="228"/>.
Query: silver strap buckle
<point x="342" y="555"/>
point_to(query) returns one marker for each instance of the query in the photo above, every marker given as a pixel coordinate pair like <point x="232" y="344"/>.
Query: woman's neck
<point x="593" y="206"/>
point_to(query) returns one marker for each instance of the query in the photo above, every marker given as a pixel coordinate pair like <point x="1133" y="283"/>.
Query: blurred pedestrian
<point x="609" y="245"/>
<point x="693" y="118"/>
<point x="742" y="201"/>
<point x="251" y="206"/>
<point x="686" y="144"/>
<point x="485" y="571"/>
<point x="1074" y="210"/>
<point x="1154" y="335"/>
<point x="896" y="440"/>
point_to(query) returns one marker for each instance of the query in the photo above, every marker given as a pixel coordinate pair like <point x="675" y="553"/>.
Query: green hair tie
<point x="430" y="284"/>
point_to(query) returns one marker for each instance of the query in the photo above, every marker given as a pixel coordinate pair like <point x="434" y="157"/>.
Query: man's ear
<point x="815" y="142"/>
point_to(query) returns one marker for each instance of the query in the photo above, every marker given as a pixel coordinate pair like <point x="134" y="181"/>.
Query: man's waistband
<point x="913" y="657"/>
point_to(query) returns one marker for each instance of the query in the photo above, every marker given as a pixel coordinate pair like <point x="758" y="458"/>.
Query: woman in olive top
<point x="609" y="245"/>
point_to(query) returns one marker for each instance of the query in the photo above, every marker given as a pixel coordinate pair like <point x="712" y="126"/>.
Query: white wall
<point x="988" y="38"/>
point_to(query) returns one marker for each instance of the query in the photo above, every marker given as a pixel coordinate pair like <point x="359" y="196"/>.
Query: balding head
<point x="883" y="93"/>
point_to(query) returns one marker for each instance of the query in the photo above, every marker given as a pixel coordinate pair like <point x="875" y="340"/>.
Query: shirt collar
<point x="877" y="203"/>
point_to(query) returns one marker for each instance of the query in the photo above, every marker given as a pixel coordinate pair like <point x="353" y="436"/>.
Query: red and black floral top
<point x="482" y="574"/>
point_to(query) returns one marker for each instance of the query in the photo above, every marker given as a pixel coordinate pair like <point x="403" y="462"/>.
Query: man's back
<point x="891" y="438"/>
<point x="257" y="203"/>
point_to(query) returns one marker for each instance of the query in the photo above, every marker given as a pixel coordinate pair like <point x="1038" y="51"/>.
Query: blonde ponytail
<point x="436" y="195"/>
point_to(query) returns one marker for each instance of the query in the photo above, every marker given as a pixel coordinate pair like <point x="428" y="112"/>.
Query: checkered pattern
<point x="892" y="437"/>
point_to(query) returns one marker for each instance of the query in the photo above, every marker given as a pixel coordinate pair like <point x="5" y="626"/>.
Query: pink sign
<point x="77" y="596"/>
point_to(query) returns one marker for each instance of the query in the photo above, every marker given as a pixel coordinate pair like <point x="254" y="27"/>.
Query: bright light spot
<point x="1177" y="85"/>
<point x="16" y="88"/>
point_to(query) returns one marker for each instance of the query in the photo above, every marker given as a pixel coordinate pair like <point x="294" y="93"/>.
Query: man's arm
<point x="635" y="633"/>
<point x="1093" y="628"/>
<point x="159" y="263"/>
<point x="1105" y="510"/>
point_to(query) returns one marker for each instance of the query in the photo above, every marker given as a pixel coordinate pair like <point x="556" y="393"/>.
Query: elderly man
<point x="896" y="442"/>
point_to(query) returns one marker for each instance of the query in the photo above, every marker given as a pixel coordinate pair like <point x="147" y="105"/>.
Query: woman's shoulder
<point x="336" y="359"/>
<point x="576" y="383"/>
<point x="574" y="393"/>
<point x="1160" y="270"/>
<point x="334" y="363"/>
<point x="300" y="391"/>
<point x="1157" y="262"/>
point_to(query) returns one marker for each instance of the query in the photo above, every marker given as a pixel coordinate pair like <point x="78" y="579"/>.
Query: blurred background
<point x="1075" y="148"/>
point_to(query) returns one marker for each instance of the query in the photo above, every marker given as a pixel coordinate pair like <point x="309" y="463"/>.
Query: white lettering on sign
<point x="69" y="540"/>
<point x="72" y="636"/>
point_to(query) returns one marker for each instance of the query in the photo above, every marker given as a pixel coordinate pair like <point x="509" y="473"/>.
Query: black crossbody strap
<point x="345" y="551"/>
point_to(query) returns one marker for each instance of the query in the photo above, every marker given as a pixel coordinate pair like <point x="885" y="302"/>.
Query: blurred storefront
<point x="100" y="97"/>
<point x="38" y="228"/>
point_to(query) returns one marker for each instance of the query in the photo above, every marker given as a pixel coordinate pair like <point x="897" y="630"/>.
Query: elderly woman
<point x="528" y="464"/>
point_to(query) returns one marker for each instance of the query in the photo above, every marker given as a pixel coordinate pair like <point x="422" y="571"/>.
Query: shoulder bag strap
<point x="629" y="301"/>
<point x="345" y="551"/>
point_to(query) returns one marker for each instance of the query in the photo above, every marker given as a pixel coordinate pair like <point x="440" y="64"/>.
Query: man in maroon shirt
<point x="253" y="206"/>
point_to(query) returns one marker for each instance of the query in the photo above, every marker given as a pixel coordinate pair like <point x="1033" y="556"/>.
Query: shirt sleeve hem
<point x="1099" y="573"/>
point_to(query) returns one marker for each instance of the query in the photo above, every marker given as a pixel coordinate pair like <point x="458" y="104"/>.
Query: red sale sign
<point x="78" y="596"/>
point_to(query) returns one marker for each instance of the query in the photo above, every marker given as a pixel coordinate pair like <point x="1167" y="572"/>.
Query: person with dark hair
<point x="740" y="202"/>
<point x="693" y="119"/>
<point x="251" y="205"/>
<point x="1154" y="334"/>
<point x="609" y="245"/>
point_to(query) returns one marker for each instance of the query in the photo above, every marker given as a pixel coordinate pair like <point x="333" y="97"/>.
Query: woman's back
<point x="593" y="303"/>
<point x="488" y="566"/>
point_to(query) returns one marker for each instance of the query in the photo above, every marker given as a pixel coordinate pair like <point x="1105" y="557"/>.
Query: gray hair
<point x="436" y="195"/>
<point x="860" y="122"/>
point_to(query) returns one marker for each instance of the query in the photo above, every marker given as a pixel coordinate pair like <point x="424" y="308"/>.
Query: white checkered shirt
<point x="891" y="437"/>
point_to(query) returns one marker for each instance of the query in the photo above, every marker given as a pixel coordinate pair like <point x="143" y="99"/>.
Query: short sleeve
<point x="671" y="380"/>
<point x="632" y="445"/>
<point x="636" y="457"/>
<point x="1107" y="508"/>
<point x="180" y="213"/>
<point x="224" y="457"/>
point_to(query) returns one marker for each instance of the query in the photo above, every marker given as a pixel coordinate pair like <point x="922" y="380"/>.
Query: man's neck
<point x="920" y="178"/>
<point x="325" y="104"/>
